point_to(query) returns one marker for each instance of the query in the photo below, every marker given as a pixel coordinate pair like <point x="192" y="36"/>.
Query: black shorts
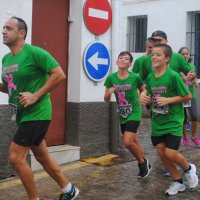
<point x="170" y="141"/>
<point x="130" y="126"/>
<point x="31" y="133"/>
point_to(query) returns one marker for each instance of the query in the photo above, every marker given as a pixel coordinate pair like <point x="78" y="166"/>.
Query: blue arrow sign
<point x="96" y="61"/>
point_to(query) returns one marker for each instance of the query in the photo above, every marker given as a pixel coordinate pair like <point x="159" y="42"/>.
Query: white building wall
<point x="80" y="87"/>
<point x="166" y="15"/>
<point x="18" y="8"/>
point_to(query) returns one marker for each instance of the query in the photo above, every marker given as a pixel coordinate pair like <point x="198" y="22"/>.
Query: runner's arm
<point x="162" y="101"/>
<point x="3" y="88"/>
<point x="56" y="75"/>
<point x="108" y="93"/>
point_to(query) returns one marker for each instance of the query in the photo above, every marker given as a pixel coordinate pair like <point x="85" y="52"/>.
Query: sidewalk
<point x="115" y="182"/>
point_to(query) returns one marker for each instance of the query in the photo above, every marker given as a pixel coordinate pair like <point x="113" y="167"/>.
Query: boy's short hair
<point x="126" y="53"/>
<point x="167" y="49"/>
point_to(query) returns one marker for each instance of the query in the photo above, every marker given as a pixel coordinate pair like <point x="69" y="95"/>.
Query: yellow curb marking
<point x="15" y="182"/>
<point x="86" y="162"/>
<point x="100" y="159"/>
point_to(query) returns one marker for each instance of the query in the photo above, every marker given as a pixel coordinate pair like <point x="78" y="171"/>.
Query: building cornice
<point x="135" y="1"/>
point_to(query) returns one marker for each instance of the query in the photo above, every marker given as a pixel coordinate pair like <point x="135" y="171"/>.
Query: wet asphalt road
<point x="114" y="182"/>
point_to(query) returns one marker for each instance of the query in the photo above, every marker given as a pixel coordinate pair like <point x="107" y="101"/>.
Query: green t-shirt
<point x="27" y="72"/>
<point x="126" y="94"/>
<point x="177" y="63"/>
<point x="137" y="66"/>
<point x="166" y="119"/>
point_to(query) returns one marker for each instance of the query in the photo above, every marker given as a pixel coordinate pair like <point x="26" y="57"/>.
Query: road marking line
<point x="16" y="181"/>
<point x="100" y="159"/>
<point x="39" y="175"/>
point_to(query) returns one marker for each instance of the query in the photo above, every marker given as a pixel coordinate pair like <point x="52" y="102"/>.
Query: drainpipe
<point x="115" y="50"/>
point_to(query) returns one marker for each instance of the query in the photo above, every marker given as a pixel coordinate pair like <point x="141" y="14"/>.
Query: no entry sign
<point x="97" y="16"/>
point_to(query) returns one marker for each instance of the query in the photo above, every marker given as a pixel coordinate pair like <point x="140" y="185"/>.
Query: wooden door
<point x="50" y="31"/>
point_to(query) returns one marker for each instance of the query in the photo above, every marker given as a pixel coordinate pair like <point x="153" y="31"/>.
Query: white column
<point x="116" y="21"/>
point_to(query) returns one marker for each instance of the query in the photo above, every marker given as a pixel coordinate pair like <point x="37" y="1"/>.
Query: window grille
<point x="193" y="38"/>
<point x="137" y="33"/>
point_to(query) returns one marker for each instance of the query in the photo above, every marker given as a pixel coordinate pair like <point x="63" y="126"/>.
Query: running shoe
<point x="191" y="177"/>
<point x="185" y="141"/>
<point x="196" y="141"/>
<point x="144" y="169"/>
<point x="174" y="188"/>
<point x="166" y="172"/>
<point x="71" y="195"/>
<point x="188" y="126"/>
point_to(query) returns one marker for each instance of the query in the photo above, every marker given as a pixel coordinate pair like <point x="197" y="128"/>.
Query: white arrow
<point x="95" y="61"/>
<point x="98" y="13"/>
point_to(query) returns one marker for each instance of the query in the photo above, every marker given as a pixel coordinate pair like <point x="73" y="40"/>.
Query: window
<point x="137" y="33"/>
<point x="193" y="38"/>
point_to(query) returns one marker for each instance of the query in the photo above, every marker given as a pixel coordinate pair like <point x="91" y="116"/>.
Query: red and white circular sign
<point x="97" y="16"/>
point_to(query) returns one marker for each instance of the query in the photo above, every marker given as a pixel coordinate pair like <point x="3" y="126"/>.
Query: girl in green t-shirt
<point x="166" y="92"/>
<point x="126" y="86"/>
<point x="192" y="106"/>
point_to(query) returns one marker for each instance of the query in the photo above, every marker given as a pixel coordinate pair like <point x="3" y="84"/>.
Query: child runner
<point x="192" y="106"/>
<point x="125" y="86"/>
<point x="177" y="63"/>
<point x="166" y="91"/>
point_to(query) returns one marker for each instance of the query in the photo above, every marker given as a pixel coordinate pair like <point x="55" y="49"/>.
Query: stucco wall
<point x="7" y="130"/>
<point x="166" y="15"/>
<point x="80" y="87"/>
<point x="88" y="126"/>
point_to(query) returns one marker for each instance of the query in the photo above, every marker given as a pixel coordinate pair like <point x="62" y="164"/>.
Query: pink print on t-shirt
<point x="11" y="85"/>
<point x="188" y="82"/>
<point x="121" y="98"/>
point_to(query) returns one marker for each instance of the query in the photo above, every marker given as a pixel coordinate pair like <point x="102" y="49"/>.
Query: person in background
<point x="29" y="74"/>
<point x="138" y="62"/>
<point x="125" y="85"/>
<point x="191" y="106"/>
<point x="177" y="62"/>
<point x="137" y="66"/>
<point x="166" y="93"/>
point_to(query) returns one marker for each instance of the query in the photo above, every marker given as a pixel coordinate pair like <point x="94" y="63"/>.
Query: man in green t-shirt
<point x="166" y="92"/>
<point x="29" y="74"/>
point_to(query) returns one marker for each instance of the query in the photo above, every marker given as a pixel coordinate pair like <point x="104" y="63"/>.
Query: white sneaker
<point x="191" y="177"/>
<point x="174" y="188"/>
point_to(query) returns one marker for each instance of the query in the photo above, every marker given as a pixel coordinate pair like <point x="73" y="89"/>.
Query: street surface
<point x="113" y="178"/>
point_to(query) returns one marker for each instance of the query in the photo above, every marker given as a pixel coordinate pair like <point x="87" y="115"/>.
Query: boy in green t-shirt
<point x="125" y="85"/>
<point x="166" y="92"/>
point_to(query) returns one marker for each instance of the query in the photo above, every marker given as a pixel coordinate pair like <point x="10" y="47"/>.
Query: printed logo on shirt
<point x="10" y="69"/>
<point x="11" y="85"/>
<point x="156" y="95"/>
<point x="8" y="77"/>
<point x="124" y="108"/>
